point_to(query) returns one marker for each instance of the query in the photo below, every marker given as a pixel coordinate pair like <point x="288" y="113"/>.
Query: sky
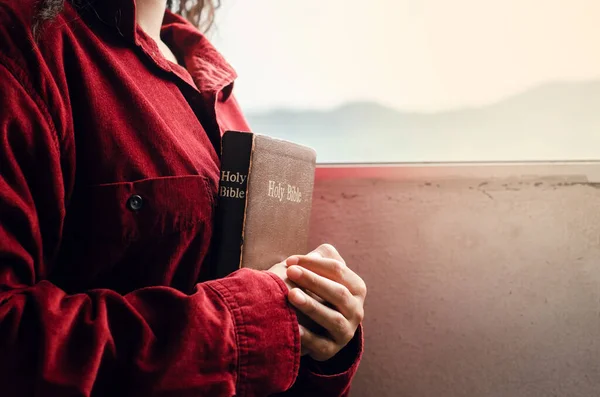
<point x="415" y="55"/>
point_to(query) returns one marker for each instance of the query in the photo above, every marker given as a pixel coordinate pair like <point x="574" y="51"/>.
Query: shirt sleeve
<point x="331" y="378"/>
<point x="220" y="340"/>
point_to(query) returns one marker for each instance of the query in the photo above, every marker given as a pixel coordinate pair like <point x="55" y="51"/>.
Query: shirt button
<point x="135" y="202"/>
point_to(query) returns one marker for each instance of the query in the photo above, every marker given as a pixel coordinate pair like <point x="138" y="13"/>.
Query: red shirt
<point x="108" y="175"/>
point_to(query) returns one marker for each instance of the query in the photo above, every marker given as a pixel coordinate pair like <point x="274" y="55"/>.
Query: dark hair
<point x="199" y="12"/>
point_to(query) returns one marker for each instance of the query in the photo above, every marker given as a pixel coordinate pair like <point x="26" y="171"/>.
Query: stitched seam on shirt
<point x="296" y="334"/>
<point x="243" y="348"/>
<point x="225" y="294"/>
<point x="20" y="76"/>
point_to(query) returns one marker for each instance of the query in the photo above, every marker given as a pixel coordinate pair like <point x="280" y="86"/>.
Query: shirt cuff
<point x="266" y="331"/>
<point x="333" y="377"/>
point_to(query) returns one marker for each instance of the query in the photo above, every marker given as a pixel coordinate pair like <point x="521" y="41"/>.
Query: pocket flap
<point x="150" y="207"/>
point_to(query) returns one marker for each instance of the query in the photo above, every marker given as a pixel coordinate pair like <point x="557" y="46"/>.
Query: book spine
<point x="236" y="157"/>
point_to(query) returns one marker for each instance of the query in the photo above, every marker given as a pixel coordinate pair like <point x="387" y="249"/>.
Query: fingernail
<point x="294" y="272"/>
<point x="299" y="297"/>
<point x="291" y="261"/>
<point x="301" y="330"/>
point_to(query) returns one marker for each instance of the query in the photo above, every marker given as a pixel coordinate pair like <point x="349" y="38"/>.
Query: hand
<point x="280" y="270"/>
<point x="334" y="299"/>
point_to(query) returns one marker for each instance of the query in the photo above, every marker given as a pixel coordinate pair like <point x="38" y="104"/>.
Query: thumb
<point x="327" y="251"/>
<point x="315" y="254"/>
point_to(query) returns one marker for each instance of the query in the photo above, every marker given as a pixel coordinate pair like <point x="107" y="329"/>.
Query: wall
<point x="484" y="280"/>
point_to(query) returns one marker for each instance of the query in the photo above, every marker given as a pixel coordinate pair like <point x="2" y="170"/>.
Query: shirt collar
<point x="205" y="64"/>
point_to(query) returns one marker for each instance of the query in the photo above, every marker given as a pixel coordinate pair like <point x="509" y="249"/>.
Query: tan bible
<point x="264" y="202"/>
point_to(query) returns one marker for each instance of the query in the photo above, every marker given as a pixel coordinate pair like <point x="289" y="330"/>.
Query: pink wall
<point x="484" y="280"/>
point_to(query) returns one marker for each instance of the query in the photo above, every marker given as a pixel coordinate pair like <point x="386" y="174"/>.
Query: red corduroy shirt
<point x="108" y="175"/>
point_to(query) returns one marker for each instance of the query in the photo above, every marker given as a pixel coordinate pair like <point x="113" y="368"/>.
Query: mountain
<point x="558" y="121"/>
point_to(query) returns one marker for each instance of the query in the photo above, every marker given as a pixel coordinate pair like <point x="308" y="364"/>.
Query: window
<point x="420" y="80"/>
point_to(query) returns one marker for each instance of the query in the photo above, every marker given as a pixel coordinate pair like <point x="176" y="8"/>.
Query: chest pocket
<point x="135" y="234"/>
<point x="150" y="207"/>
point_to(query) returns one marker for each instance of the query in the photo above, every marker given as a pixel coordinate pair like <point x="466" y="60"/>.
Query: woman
<point x="111" y="114"/>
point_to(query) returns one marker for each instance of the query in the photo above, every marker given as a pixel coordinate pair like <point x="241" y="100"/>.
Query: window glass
<point x="420" y="80"/>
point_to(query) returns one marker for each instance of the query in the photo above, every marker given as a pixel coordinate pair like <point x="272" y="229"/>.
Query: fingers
<point x="337" y="325"/>
<point x="331" y="269"/>
<point x="319" y="348"/>
<point x="328" y="293"/>
<point x="315" y="297"/>
<point x="334" y="293"/>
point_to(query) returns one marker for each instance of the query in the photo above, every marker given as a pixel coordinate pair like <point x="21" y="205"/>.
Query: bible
<point x="264" y="201"/>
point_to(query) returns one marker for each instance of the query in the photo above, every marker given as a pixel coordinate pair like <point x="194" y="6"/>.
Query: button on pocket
<point x="135" y="202"/>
